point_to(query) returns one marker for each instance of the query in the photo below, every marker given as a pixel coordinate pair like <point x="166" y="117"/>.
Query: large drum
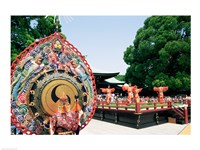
<point x="45" y="71"/>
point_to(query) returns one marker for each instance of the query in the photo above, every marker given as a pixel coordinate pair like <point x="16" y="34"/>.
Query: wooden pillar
<point x="169" y="104"/>
<point x="154" y="105"/>
<point x="186" y="114"/>
<point x="137" y="107"/>
<point x="117" y="104"/>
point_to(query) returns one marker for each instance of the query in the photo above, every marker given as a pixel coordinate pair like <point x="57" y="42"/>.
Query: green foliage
<point x="128" y="55"/>
<point x="120" y="77"/>
<point x="160" y="54"/>
<point x="14" y="54"/>
<point x="26" y="29"/>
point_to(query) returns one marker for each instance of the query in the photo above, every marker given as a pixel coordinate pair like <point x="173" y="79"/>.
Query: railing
<point x="179" y="111"/>
<point x="182" y="112"/>
<point x="179" y="107"/>
<point x="134" y="107"/>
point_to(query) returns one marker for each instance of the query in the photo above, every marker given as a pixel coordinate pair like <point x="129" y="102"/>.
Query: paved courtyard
<point x="97" y="127"/>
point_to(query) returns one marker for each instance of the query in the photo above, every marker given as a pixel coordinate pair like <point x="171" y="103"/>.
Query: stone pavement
<point x="186" y="130"/>
<point x="97" y="127"/>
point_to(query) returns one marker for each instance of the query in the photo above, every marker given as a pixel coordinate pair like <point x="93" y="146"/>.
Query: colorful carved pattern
<point x="66" y="120"/>
<point x="41" y="73"/>
<point x="108" y="92"/>
<point x="160" y="93"/>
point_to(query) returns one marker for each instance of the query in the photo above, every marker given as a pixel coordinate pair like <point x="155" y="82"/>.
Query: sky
<point x="102" y="38"/>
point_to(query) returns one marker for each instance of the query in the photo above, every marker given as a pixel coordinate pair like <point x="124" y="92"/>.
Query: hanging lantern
<point x="49" y="77"/>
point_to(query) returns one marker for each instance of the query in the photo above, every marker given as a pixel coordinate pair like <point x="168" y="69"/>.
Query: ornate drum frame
<point x="35" y="104"/>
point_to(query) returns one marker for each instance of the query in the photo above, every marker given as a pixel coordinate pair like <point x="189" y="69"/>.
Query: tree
<point x="120" y="77"/>
<point x="160" y="54"/>
<point x="26" y="29"/>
